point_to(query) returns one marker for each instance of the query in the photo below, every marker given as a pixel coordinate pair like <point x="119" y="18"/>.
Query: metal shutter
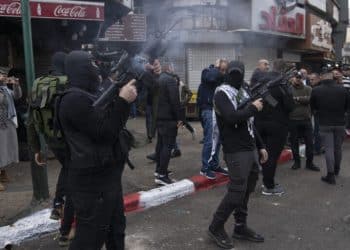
<point x="200" y="57"/>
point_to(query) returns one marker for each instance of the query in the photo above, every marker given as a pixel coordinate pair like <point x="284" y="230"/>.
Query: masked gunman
<point x="96" y="160"/>
<point x="272" y="124"/>
<point x="240" y="145"/>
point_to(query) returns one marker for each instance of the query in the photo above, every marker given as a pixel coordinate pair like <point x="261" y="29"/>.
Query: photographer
<point x="272" y="125"/>
<point x="8" y="124"/>
<point x="240" y="143"/>
<point x="96" y="159"/>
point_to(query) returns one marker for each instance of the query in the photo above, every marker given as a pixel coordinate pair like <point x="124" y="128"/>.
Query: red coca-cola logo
<point x="73" y="12"/>
<point x="13" y="9"/>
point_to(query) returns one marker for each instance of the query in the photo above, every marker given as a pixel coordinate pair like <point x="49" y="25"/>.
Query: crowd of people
<point x="92" y="144"/>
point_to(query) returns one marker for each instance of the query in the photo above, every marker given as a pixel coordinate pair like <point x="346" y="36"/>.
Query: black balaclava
<point x="57" y="62"/>
<point x="82" y="72"/>
<point x="235" y="76"/>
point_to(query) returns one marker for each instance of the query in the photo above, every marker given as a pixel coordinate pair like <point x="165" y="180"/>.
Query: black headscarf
<point x="81" y="71"/>
<point x="57" y="62"/>
<point x="235" y="74"/>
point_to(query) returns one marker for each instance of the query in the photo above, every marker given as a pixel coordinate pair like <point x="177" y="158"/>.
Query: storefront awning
<point x="55" y="9"/>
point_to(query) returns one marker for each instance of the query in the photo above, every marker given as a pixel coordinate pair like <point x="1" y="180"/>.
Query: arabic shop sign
<point x="279" y="17"/>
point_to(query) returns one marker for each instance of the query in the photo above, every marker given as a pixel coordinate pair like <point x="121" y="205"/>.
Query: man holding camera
<point x="240" y="144"/>
<point x="96" y="160"/>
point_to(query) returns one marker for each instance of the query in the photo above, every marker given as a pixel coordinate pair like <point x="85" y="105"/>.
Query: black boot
<point x="152" y="157"/>
<point x="176" y="153"/>
<point x="312" y="167"/>
<point x="329" y="178"/>
<point x="218" y="234"/>
<point x="242" y="232"/>
<point x="336" y="170"/>
<point x="220" y="237"/>
<point x="296" y="165"/>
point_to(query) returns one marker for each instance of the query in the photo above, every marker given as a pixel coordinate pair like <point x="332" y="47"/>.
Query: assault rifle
<point x="262" y="89"/>
<point x="128" y="67"/>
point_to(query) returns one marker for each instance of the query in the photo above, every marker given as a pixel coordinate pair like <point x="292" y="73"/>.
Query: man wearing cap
<point x="331" y="101"/>
<point x="300" y="125"/>
<point x="234" y="127"/>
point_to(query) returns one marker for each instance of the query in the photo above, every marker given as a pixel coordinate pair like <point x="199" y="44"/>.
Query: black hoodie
<point x="57" y="62"/>
<point x="330" y="101"/>
<point x="233" y="126"/>
<point x="283" y="95"/>
<point x="95" y="163"/>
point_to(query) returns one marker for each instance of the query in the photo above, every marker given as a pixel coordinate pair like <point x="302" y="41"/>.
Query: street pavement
<point x="15" y="202"/>
<point x="310" y="216"/>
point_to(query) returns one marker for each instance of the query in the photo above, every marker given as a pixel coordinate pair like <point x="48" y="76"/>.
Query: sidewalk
<point x="15" y="201"/>
<point x="141" y="192"/>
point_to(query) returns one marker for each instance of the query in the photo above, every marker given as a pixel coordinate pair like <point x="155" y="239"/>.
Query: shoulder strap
<point x="78" y="90"/>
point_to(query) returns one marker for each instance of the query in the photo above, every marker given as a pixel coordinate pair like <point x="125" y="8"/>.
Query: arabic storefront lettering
<point x="278" y="17"/>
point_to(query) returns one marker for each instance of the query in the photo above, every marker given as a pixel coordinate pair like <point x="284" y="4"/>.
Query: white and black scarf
<point x="236" y="97"/>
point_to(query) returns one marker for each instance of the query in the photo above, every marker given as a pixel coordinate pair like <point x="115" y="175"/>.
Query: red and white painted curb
<point x="158" y="196"/>
<point x="39" y="223"/>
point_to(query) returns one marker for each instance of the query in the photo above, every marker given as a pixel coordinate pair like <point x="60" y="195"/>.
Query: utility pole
<point x="39" y="173"/>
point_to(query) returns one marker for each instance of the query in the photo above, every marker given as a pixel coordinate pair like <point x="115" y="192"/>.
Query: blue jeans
<point x="133" y="110"/>
<point x="207" y="119"/>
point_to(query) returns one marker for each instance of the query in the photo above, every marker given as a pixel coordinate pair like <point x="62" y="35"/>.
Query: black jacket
<point x="92" y="135"/>
<point x="256" y="77"/>
<point x="330" y="101"/>
<point x="234" y="132"/>
<point x="169" y="107"/>
<point x="233" y="126"/>
<point x="283" y="95"/>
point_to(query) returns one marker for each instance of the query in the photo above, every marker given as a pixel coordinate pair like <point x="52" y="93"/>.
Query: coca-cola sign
<point x="55" y="9"/>
<point x="10" y="8"/>
<point x="73" y="12"/>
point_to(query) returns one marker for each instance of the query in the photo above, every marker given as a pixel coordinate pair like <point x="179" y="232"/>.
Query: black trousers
<point x="62" y="195"/>
<point x="61" y="186"/>
<point x="243" y="172"/>
<point x="301" y="129"/>
<point x="68" y="216"/>
<point x="166" y="139"/>
<point x="274" y="135"/>
<point x="100" y="219"/>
